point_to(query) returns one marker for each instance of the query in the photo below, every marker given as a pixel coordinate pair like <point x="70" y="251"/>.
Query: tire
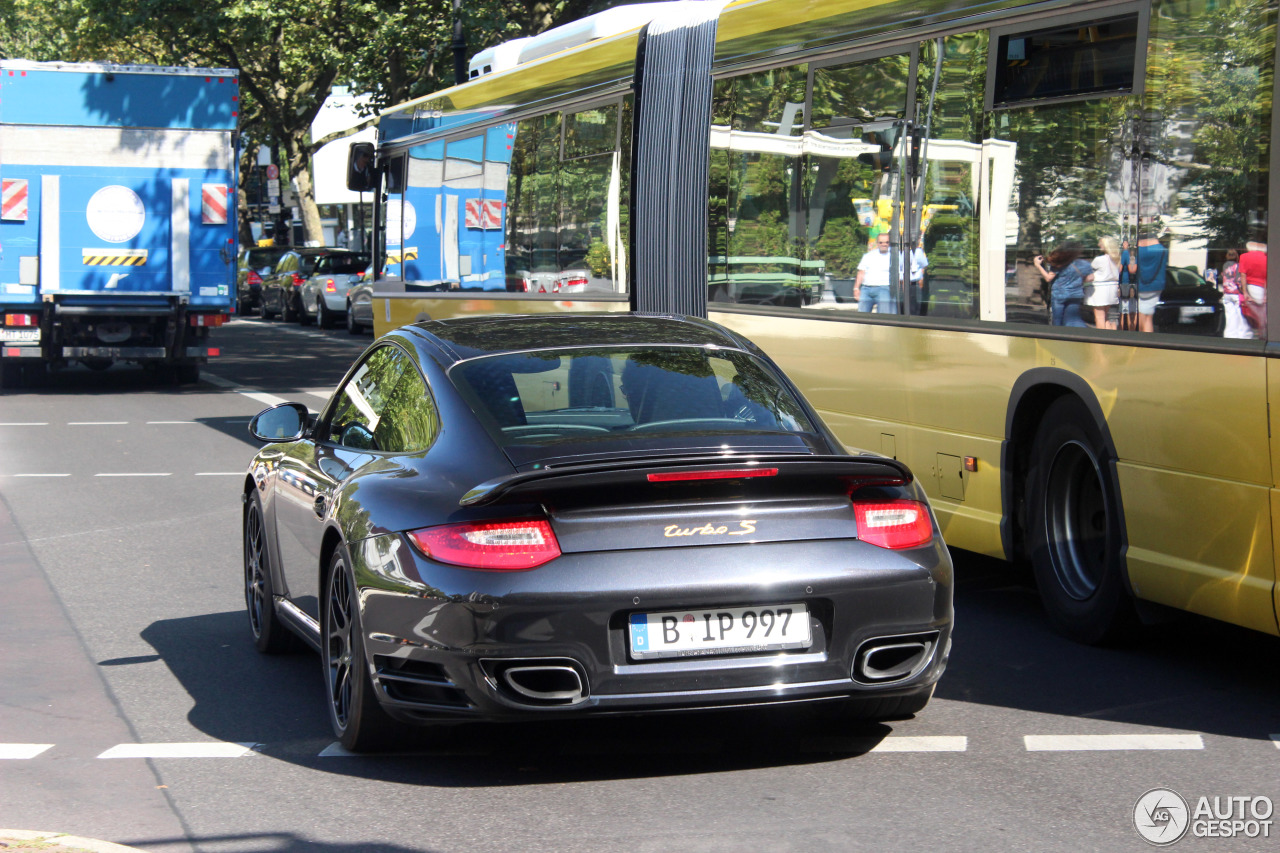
<point x="358" y="720"/>
<point x="188" y="374"/>
<point x="353" y="327"/>
<point x="262" y="308"/>
<point x="1074" y="528"/>
<point x="288" y="309"/>
<point x="300" y="311"/>
<point x="326" y="318"/>
<point x="269" y="633"/>
<point x="11" y="375"/>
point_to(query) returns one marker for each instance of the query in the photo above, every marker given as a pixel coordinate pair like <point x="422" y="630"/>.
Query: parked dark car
<point x="1189" y="305"/>
<point x="255" y="262"/>
<point x="516" y="517"/>
<point x="282" y="290"/>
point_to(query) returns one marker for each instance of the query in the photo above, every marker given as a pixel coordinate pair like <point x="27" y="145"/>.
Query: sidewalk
<point x="20" y="841"/>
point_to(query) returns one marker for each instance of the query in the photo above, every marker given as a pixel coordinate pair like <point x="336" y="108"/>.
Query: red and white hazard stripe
<point x="213" y="204"/>
<point x="14" y="206"/>
<point x="484" y="213"/>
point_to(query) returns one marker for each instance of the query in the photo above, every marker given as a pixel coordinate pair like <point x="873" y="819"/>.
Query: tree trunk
<point x="298" y="153"/>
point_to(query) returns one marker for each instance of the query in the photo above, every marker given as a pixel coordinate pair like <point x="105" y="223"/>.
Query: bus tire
<point x="1074" y="530"/>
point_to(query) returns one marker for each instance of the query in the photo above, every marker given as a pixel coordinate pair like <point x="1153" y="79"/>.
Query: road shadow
<point x="1191" y="673"/>
<point x="278" y="702"/>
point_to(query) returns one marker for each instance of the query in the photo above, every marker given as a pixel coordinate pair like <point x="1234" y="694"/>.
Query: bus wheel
<point x="1074" y="528"/>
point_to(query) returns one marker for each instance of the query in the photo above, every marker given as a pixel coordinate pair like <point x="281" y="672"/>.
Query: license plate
<point x="719" y="631"/>
<point x="16" y="335"/>
<point x="1192" y="311"/>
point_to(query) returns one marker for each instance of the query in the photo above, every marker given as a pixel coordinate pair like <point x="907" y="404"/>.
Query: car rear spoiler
<point x="859" y="470"/>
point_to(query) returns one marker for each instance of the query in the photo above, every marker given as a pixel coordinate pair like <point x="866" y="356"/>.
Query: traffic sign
<point x="273" y="172"/>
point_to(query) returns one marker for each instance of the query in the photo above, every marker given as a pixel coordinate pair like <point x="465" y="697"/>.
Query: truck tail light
<point x="330" y="287"/>
<point x="492" y="546"/>
<point x="894" y="524"/>
<point x="206" y="319"/>
<point x="22" y="319"/>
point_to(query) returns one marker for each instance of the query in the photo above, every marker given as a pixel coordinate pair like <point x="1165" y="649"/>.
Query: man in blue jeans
<point x="873" y="285"/>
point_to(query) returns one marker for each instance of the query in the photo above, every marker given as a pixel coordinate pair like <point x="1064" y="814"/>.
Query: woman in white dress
<point x="1105" y="298"/>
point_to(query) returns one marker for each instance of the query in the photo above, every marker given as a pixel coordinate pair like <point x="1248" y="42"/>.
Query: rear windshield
<point x="602" y="400"/>
<point x="343" y="264"/>
<point x="264" y="257"/>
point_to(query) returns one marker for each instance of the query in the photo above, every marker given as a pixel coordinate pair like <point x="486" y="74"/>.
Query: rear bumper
<point x="438" y="649"/>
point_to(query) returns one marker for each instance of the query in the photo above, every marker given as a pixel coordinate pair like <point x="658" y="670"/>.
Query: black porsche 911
<point x="506" y="517"/>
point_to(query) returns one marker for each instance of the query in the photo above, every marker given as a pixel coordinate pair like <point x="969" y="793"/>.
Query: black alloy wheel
<point x="300" y="308"/>
<point x="269" y="633"/>
<point x="1074" y="528"/>
<point x="358" y="720"/>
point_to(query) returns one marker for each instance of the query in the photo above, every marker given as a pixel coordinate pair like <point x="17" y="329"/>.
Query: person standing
<point x="1067" y="274"/>
<point x="1253" y="267"/>
<point x="918" y="260"/>
<point x="1153" y="261"/>
<point x="873" y="286"/>
<point x="1232" y="294"/>
<point x="1103" y="296"/>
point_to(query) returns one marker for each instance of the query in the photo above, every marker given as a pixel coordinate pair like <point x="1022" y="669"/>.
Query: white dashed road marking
<point x="97" y="423"/>
<point x="135" y="474"/>
<point x="1075" y="743"/>
<point x="23" y="750"/>
<point x="179" y="750"/>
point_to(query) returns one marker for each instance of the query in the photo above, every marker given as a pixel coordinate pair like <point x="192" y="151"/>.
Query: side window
<point x="356" y="418"/>
<point x="410" y="421"/>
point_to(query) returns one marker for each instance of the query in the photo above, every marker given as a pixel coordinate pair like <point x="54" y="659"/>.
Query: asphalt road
<point x="134" y="708"/>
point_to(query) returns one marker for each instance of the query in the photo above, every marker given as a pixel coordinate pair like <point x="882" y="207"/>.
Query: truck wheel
<point x="327" y="318"/>
<point x="11" y="375"/>
<point x="353" y="328"/>
<point x="188" y="374"/>
<point x="304" y="319"/>
<point x="1074" y="528"/>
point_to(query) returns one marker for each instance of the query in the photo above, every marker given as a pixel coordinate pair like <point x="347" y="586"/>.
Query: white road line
<point x="1072" y="743"/>
<point x="97" y="423"/>
<point x="25" y="423"/>
<point x="1276" y="740"/>
<point x="263" y="397"/>
<point x="214" y="379"/>
<point x="136" y="474"/>
<point x="179" y="750"/>
<point x="220" y="473"/>
<point x="932" y="743"/>
<point x="22" y="750"/>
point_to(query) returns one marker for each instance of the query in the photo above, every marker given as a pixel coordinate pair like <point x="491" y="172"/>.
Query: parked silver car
<point x="323" y="296"/>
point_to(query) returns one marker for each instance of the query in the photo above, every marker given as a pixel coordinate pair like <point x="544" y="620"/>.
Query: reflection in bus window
<point x="754" y="233"/>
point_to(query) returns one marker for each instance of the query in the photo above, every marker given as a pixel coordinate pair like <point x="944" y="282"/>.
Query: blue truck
<point x="117" y="230"/>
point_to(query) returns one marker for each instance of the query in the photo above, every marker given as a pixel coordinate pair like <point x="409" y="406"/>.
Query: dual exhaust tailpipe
<point x="893" y="658"/>
<point x="538" y="681"/>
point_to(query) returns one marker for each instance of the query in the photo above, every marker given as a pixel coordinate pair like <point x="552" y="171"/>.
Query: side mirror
<point x="362" y="177"/>
<point x="285" y="422"/>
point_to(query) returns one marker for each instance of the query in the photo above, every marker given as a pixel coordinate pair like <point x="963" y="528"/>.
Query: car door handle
<point x="321" y="504"/>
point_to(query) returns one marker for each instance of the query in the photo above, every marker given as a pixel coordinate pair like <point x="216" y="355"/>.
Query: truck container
<point x="117" y="233"/>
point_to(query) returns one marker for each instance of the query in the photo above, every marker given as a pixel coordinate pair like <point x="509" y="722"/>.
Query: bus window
<point x="754" y="235"/>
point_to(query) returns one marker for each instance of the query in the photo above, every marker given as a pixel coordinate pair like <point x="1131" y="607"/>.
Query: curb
<point x="56" y="842"/>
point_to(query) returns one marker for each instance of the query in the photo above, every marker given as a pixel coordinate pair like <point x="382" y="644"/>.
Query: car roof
<point x="472" y="337"/>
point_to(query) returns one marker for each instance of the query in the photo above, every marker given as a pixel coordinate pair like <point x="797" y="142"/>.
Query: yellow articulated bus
<point x="1019" y="246"/>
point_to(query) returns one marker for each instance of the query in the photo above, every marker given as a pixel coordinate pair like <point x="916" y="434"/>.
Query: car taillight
<point x="495" y="546"/>
<point x="575" y="282"/>
<point x="893" y="524"/>
<point x="253" y="278"/>
<point x="298" y="280"/>
<point x="21" y="320"/>
<point x="330" y="287"/>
